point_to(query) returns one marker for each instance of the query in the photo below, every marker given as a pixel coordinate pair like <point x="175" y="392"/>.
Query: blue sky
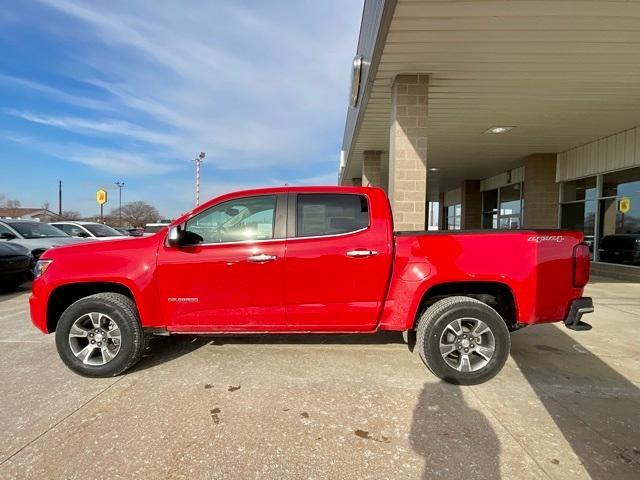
<point x="94" y="92"/>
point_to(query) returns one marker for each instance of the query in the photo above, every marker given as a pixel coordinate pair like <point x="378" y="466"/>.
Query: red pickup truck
<point x="310" y="260"/>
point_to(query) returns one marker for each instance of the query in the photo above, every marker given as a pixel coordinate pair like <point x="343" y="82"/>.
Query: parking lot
<point x="567" y="405"/>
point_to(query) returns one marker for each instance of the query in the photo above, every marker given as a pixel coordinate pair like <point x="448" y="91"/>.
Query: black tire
<point x="435" y="320"/>
<point x="121" y="310"/>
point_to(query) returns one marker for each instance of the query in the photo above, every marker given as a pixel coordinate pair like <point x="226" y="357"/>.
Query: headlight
<point x="41" y="267"/>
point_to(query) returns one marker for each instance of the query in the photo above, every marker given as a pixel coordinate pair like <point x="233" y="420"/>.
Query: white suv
<point x="94" y="230"/>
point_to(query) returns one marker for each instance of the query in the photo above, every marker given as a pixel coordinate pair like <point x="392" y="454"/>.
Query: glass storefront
<point x="608" y="204"/>
<point x="578" y="208"/>
<point x="502" y="207"/>
<point x="453" y="217"/>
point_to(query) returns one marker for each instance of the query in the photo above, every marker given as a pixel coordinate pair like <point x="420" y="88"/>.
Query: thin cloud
<point x="108" y="160"/>
<point x="247" y="84"/>
<point x="104" y="127"/>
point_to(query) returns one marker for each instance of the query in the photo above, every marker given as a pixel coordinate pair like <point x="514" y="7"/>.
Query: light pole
<point x="60" y="198"/>
<point x="198" y="161"/>
<point x="120" y="185"/>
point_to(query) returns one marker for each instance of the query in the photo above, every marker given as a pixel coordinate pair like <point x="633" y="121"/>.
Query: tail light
<point x="581" y="265"/>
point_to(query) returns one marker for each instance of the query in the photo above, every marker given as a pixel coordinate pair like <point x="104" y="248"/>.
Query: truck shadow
<point x="596" y="409"/>
<point x="455" y="440"/>
<point x="165" y="349"/>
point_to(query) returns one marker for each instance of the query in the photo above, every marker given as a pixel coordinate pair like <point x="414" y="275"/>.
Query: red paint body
<point x="312" y="286"/>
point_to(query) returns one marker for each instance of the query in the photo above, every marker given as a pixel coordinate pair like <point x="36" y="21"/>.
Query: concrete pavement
<point x="567" y="405"/>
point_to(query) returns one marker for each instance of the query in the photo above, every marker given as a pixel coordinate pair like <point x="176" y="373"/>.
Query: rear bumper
<point x="578" y="308"/>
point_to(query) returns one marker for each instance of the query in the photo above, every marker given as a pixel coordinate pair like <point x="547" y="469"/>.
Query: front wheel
<point x="100" y="335"/>
<point x="463" y="340"/>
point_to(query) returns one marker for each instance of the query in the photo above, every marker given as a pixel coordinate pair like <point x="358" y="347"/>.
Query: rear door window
<point x="330" y="214"/>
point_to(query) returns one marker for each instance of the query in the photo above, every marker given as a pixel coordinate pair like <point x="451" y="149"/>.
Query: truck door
<point x="337" y="262"/>
<point x="232" y="276"/>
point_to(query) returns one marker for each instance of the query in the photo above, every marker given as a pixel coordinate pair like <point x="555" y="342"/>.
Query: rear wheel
<point x="463" y="340"/>
<point x="100" y="335"/>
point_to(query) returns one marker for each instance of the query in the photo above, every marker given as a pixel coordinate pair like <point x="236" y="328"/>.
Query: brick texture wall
<point x="372" y="168"/>
<point x="471" y="205"/>
<point x="408" y="151"/>
<point x="540" y="191"/>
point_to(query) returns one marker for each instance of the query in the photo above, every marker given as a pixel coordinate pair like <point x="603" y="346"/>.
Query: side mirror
<point x="174" y="238"/>
<point x="7" y="236"/>
<point x="83" y="235"/>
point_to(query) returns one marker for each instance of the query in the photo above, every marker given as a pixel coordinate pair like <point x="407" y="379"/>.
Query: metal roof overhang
<point x="562" y="73"/>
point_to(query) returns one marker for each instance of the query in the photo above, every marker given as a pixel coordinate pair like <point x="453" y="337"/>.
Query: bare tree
<point x="71" y="215"/>
<point x="137" y="214"/>
<point x="12" y="207"/>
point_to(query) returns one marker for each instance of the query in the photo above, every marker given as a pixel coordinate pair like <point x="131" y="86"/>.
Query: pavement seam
<point x="38" y="437"/>
<point x="515" y="439"/>
<point x="22" y="312"/>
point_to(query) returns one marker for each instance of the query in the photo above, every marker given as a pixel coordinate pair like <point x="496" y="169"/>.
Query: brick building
<point x="485" y="114"/>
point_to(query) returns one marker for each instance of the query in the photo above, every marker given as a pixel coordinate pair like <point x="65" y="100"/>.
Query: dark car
<point x="132" y="232"/>
<point x="16" y="263"/>
<point x="622" y="248"/>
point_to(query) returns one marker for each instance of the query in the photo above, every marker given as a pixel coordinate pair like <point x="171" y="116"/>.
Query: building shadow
<point x="597" y="279"/>
<point x="455" y="440"/>
<point x="596" y="409"/>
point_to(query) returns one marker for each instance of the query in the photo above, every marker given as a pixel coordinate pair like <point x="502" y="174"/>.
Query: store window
<point x="609" y="214"/>
<point x="490" y="209"/>
<point x="510" y="198"/>
<point x="578" y="207"/>
<point x="502" y="208"/>
<point x="453" y="217"/>
<point x="619" y="218"/>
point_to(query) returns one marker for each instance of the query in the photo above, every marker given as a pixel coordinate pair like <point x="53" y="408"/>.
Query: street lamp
<point x="198" y="161"/>
<point x="120" y="185"/>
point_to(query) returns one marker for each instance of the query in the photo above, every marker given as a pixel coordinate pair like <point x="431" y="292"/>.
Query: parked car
<point x="36" y="236"/>
<point x="131" y="232"/>
<point x="621" y="248"/>
<point x="16" y="263"/>
<point x="154" y="227"/>
<point x="94" y="230"/>
<point x="310" y="260"/>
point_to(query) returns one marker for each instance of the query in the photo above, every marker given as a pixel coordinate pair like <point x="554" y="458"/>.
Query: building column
<point x="471" y="199"/>
<point x="541" y="191"/>
<point x="372" y="168"/>
<point x="442" y="211"/>
<point x="408" y="151"/>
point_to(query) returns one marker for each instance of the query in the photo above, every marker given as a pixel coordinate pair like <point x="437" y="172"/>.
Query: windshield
<point x="100" y="230"/>
<point x="36" y="230"/>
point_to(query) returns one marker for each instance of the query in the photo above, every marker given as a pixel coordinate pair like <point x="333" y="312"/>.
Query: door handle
<point x="361" y="253"/>
<point x="261" y="258"/>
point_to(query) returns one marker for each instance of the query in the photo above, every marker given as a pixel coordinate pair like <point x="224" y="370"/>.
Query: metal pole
<point x="60" y="198"/>
<point x="101" y="215"/>
<point x="120" y="185"/>
<point x="198" y="161"/>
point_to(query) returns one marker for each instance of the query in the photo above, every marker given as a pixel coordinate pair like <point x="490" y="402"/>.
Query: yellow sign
<point x="624" y="205"/>
<point x="101" y="197"/>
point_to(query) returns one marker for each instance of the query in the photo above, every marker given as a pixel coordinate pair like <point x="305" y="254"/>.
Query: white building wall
<point x="615" y="152"/>
<point x="502" y="179"/>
